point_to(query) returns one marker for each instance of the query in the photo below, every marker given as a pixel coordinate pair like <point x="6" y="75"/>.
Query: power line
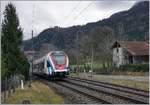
<point x="78" y="36"/>
<point x="73" y="9"/>
<point x="75" y="18"/>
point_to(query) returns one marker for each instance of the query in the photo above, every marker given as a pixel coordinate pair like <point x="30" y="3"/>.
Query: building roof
<point x="136" y="48"/>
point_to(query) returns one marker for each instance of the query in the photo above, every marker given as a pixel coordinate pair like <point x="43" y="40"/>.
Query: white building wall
<point x="122" y="57"/>
<point x="118" y="56"/>
<point x="115" y="58"/>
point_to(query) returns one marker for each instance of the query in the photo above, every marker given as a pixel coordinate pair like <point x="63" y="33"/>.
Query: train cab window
<point x="59" y="58"/>
<point x="48" y="64"/>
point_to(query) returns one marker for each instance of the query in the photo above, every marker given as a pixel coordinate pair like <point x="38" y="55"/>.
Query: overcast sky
<point x="39" y="15"/>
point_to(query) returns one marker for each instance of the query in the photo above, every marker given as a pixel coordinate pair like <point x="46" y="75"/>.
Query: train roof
<point x="39" y="60"/>
<point x="42" y="58"/>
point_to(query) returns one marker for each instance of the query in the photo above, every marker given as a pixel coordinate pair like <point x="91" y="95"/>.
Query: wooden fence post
<point x="9" y="84"/>
<point x="13" y="86"/>
<point x="5" y="88"/>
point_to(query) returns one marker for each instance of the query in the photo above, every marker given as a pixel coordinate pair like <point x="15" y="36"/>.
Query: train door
<point x="49" y="67"/>
<point x="45" y="66"/>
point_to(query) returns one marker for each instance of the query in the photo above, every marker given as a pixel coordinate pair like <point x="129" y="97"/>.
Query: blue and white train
<point x="53" y="64"/>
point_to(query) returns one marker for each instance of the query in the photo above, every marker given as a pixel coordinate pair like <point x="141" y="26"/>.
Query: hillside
<point x="132" y="24"/>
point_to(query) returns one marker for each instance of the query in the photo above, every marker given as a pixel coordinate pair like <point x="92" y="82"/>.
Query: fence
<point x="9" y="86"/>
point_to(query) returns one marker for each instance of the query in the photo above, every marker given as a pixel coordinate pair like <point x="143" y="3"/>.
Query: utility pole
<point x="31" y="62"/>
<point x="39" y="47"/>
<point x="77" y="53"/>
<point x="92" y="62"/>
<point x="32" y="52"/>
<point x="32" y="55"/>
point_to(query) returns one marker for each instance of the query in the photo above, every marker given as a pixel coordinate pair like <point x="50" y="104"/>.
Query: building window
<point x="117" y="50"/>
<point x="130" y="59"/>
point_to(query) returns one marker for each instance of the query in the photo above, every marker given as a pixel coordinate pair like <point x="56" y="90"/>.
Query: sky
<point x="39" y="15"/>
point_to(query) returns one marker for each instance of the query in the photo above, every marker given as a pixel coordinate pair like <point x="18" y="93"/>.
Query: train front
<point x="60" y="62"/>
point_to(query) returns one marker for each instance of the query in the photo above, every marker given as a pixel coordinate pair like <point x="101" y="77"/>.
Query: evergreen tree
<point x="11" y="42"/>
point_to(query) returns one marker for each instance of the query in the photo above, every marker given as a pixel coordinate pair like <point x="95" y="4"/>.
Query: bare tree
<point x="101" y="38"/>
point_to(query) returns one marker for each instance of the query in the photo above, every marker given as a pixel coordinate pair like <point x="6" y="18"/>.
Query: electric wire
<point x="72" y="10"/>
<point x="75" y="18"/>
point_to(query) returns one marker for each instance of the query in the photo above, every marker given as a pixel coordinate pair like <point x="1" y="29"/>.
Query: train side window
<point x="48" y="64"/>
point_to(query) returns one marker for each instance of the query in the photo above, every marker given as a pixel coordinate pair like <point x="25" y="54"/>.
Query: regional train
<point x="53" y="64"/>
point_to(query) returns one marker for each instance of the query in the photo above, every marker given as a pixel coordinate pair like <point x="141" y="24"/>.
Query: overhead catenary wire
<point x="84" y="9"/>
<point x="72" y="10"/>
<point x="80" y="30"/>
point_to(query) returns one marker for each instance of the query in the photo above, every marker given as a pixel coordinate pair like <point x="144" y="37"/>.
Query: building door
<point x="130" y="59"/>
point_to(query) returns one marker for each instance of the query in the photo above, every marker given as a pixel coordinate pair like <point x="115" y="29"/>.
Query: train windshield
<point x="59" y="58"/>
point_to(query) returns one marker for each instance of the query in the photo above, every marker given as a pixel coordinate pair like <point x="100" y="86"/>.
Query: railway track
<point x="114" y="86"/>
<point x="102" y="92"/>
<point x="84" y="92"/>
<point x="113" y="93"/>
<point x="76" y="92"/>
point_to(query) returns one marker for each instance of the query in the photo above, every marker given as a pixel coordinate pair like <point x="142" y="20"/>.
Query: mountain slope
<point x="132" y="24"/>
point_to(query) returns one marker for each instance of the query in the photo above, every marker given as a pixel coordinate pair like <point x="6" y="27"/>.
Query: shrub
<point x="135" y="67"/>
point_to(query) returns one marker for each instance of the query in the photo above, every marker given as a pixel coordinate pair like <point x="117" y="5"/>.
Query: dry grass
<point x="124" y="82"/>
<point x="132" y="73"/>
<point x="39" y="93"/>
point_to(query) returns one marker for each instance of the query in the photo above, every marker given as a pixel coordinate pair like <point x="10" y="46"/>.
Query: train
<point x="53" y="64"/>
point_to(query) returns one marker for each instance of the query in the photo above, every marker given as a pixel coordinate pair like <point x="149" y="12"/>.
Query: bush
<point x="135" y="67"/>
